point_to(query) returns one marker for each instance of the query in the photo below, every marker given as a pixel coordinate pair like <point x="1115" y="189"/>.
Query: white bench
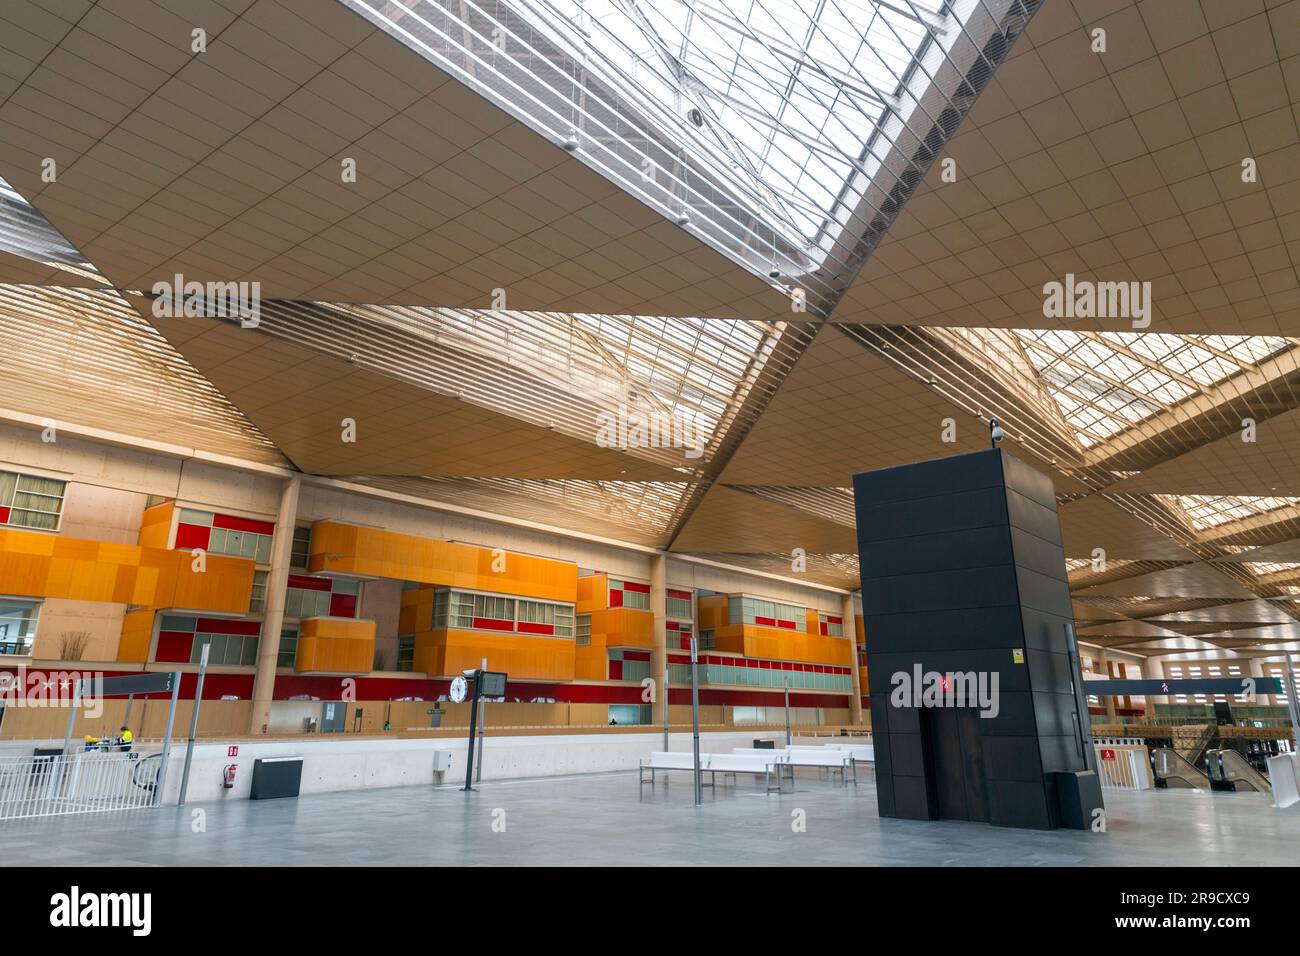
<point x="843" y="761"/>
<point x="865" y="753"/>
<point x="713" y="764"/>
<point x="826" y="758"/>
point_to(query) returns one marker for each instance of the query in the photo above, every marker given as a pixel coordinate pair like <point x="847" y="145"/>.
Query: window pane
<point x="18" y="620"/>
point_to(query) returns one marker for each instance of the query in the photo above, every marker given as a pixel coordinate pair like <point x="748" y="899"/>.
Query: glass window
<point x="257" y="600"/>
<point x="637" y="600"/>
<point x="18" y="620"/>
<point x="288" y="654"/>
<point x="31" y="502"/>
<point x="301" y="549"/>
<point x="405" y="653"/>
<point x="583" y="632"/>
<point x="679" y="608"/>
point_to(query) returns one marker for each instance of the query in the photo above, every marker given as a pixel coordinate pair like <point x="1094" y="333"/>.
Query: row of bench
<point x="837" y="758"/>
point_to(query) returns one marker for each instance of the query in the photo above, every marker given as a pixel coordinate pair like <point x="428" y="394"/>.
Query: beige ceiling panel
<point x="843" y="410"/>
<point x="288" y="90"/>
<point x="300" y="398"/>
<point x="727" y="520"/>
<point x="1094" y="522"/>
<point x="1187" y="581"/>
<point x="1100" y="165"/>
<point x="1269" y="465"/>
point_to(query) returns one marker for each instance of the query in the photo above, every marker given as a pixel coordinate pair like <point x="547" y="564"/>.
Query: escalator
<point x="1230" y="771"/>
<point x="1172" y="771"/>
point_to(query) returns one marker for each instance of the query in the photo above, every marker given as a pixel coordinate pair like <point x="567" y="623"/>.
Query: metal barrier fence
<point x="1122" y="763"/>
<point x="46" y="786"/>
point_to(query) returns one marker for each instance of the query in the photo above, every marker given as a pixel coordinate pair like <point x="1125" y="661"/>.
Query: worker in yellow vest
<point x="125" y="738"/>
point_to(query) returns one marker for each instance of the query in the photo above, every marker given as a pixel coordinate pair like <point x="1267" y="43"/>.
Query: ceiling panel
<point x="1117" y="166"/>
<point x="228" y="165"/>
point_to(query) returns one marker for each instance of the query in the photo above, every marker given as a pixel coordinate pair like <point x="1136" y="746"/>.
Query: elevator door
<point x="956" y="763"/>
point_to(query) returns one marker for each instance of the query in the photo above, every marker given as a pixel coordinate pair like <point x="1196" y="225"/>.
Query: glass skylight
<point x="1105" y="382"/>
<point x="786" y="133"/>
<point x="25" y="232"/>
<point x="558" y="370"/>
<point x="1209" y="511"/>
<point x="1272" y="567"/>
<point x="690" y="369"/>
<point x="789" y="91"/>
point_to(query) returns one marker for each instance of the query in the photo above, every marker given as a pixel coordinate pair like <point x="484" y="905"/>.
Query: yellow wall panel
<point x="447" y="652"/>
<point x="625" y="627"/>
<point x="776" y="644"/>
<point x="137" y="632"/>
<point x="374" y="552"/>
<point x="335" y="645"/>
<point x="38" y="565"/>
<point x="156" y="526"/>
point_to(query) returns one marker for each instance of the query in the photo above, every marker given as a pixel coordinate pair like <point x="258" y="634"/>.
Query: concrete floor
<point x="604" y="820"/>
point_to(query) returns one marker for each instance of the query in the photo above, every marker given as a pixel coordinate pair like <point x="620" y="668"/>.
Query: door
<point x="955" y="763"/>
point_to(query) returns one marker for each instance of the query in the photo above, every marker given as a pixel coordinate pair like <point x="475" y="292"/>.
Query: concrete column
<point x="1104" y="662"/>
<point x="851" y="632"/>
<point x="658" y="649"/>
<point x="277" y="587"/>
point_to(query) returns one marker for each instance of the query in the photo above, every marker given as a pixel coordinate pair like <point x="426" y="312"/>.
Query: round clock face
<point x="459" y="687"/>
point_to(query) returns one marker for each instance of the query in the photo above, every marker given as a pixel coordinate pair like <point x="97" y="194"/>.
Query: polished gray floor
<point x="607" y="819"/>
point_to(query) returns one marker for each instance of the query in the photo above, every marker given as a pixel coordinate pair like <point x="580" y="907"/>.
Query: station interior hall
<point x="650" y="432"/>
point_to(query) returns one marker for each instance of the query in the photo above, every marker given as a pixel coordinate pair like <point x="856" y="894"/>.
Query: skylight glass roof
<point x="784" y="133"/>
<point x="790" y="91"/>
<point x="25" y="232"/>
<point x="1105" y="382"/>
<point x="558" y="370"/>
<point x="1209" y="511"/>
<point x="690" y="369"/>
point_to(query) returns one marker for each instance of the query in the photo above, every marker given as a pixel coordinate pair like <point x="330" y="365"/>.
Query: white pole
<point x="695" y="719"/>
<point x="194" y="724"/>
<point x="478" y="770"/>
<point x="664" y="691"/>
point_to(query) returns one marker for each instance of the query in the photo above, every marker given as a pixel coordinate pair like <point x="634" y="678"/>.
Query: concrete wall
<point x="332" y="764"/>
<point x="100" y="621"/>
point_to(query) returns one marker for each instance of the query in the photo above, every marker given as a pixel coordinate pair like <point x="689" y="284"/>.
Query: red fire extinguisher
<point x="228" y="777"/>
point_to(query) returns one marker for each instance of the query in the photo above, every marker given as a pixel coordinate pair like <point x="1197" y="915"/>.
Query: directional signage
<point x="131" y="684"/>
<point x="1206" y="686"/>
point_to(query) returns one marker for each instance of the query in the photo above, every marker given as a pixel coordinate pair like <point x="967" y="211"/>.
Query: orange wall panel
<point x="38" y="565"/>
<point x="335" y="645"/>
<point x="156" y="526"/>
<point x="624" y="627"/>
<point x="776" y="644"/>
<point x="712" y="611"/>
<point x="374" y="552"/>
<point x="137" y="632"/>
<point x="447" y="652"/>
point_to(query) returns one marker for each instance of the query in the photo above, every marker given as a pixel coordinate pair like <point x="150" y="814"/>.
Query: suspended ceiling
<point x="627" y="297"/>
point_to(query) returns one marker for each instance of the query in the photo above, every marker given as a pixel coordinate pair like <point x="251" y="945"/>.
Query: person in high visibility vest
<point x="124" y="738"/>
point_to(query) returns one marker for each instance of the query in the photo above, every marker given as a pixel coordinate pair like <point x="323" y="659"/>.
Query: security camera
<point x="996" y="434"/>
<point x="774" y="273"/>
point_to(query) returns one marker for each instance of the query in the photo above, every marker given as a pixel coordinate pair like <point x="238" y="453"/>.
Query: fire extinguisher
<point x="228" y="777"/>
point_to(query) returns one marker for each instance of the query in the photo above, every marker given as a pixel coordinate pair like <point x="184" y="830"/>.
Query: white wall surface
<point x="340" y="763"/>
